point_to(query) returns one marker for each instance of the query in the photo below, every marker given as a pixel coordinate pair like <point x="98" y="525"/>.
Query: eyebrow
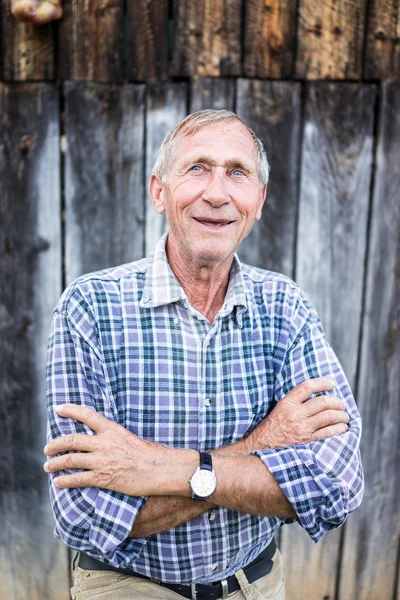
<point x="230" y="164"/>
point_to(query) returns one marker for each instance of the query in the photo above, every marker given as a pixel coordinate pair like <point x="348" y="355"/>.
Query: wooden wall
<point x="156" y="40"/>
<point x="84" y="104"/>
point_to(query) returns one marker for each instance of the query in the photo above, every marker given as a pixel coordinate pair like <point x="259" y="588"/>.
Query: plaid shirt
<point x="126" y="342"/>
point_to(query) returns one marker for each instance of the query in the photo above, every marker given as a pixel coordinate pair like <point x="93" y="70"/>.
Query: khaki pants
<point x="109" y="585"/>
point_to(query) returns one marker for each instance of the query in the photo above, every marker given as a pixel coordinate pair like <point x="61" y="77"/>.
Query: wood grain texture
<point x="382" y="54"/>
<point x="28" y="50"/>
<point x="311" y="569"/>
<point x="90" y="41"/>
<point x="330" y="39"/>
<point x="270" y="38"/>
<point x="207" y="38"/>
<point x="372" y="533"/>
<point x="333" y="213"/>
<point x="104" y="191"/>
<point x="273" y="111"/>
<point x="147" y="40"/>
<point x="166" y="106"/>
<point x="32" y="562"/>
<point x="212" y="93"/>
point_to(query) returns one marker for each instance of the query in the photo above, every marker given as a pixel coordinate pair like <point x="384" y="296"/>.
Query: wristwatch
<point x="203" y="481"/>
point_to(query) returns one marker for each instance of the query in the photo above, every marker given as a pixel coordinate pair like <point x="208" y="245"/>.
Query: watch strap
<point x="206" y="461"/>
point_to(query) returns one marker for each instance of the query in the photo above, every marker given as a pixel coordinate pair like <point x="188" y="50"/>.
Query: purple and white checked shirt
<point x="126" y="342"/>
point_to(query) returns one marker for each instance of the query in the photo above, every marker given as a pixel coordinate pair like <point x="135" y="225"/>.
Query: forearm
<point x="245" y="484"/>
<point x="254" y="491"/>
<point x="161" y="513"/>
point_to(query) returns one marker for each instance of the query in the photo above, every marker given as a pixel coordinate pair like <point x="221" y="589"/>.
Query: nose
<point x="215" y="192"/>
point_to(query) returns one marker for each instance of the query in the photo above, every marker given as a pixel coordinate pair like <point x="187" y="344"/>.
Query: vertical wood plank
<point x="33" y="563"/>
<point x="207" y="38"/>
<point x="333" y="213"/>
<point x="212" y="93"/>
<point x="372" y="534"/>
<point x="330" y="39"/>
<point x="270" y="38"/>
<point x="273" y="111"/>
<point x="165" y="107"/>
<point x="147" y="40"/>
<point x="104" y="192"/>
<point x="90" y="41"/>
<point x="28" y="50"/>
<point x="382" y="56"/>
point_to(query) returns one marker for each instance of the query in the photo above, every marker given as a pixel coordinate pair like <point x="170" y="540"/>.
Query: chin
<point x="214" y="252"/>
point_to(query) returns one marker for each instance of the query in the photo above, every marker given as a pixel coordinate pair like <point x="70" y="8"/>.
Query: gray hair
<point x="193" y="123"/>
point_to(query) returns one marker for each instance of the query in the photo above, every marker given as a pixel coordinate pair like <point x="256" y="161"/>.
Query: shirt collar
<point x="162" y="287"/>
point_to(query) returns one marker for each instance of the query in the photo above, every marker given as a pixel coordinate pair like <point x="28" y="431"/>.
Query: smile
<point x="213" y="224"/>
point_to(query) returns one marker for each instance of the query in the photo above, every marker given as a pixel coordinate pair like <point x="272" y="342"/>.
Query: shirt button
<point x="176" y="320"/>
<point x="211" y="515"/>
<point x="229" y="325"/>
<point x="207" y="402"/>
<point x="214" y="566"/>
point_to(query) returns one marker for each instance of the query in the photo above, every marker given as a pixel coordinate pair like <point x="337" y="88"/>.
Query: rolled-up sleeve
<point x="93" y="520"/>
<point x="322" y="480"/>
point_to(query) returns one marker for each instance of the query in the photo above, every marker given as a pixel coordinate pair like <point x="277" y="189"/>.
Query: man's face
<point x="212" y="193"/>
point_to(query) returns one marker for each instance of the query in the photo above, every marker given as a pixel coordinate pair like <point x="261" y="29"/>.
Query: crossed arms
<point x="118" y="460"/>
<point x="132" y="488"/>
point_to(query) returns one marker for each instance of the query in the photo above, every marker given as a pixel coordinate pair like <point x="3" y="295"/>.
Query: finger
<point x="330" y="431"/>
<point x="303" y="390"/>
<point x="321" y="403"/>
<point x="327" y="418"/>
<point x="73" y="441"/>
<point x="75" y="480"/>
<point x="77" y="460"/>
<point x="86" y="415"/>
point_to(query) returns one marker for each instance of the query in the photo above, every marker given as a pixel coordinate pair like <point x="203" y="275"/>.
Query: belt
<point x="259" y="567"/>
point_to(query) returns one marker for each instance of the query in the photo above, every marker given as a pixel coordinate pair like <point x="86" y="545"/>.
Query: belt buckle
<point x="224" y="587"/>
<point x="193" y="591"/>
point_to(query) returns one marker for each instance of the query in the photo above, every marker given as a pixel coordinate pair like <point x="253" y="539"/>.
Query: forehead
<point x="225" y="140"/>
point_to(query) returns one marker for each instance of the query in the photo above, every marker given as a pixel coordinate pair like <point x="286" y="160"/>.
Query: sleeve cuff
<point x="317" y="500"/>
<point x="114" y="516"/>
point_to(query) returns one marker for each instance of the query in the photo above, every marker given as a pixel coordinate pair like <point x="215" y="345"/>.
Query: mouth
<point x="213" y="224"/>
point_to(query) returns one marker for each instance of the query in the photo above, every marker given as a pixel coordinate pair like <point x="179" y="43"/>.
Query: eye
<point x="237" y="173"/>
<point x="196" y="169"/>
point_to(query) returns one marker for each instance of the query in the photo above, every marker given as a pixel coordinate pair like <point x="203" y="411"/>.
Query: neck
<point x="205" y="284"/>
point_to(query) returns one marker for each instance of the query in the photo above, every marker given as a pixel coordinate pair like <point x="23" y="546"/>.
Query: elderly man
<point x="193" y="391"/>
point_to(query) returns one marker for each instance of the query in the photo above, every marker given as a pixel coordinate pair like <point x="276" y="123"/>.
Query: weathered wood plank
<point x="104" y="191"/>
<point x="207" y="38"/>
<point x="272" y="109"/>
<point x="372" y="533"/>
<point x="90" y="41"/>
<point x="270" y="38"/>
<point x="212" y="93"/>
<point x="147" y="40"/>
<point x="333" y="213"/>
<point x="33" y="564"/>
<point x="330" y="39"/>
<point x="28" y="50"/>
<point x="166" y="106"/>
<point x="382" y="55"/>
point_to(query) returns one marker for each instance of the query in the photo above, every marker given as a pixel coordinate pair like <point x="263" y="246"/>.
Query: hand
<point x="114" y="458"/>
<point x="295" y="421"/>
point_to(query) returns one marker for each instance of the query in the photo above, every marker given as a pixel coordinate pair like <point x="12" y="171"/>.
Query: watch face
<point x="203" y="483"/>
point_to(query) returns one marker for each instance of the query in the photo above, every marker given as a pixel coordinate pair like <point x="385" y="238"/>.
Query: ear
<point x="263" y="195"/>
<point x="156" y="193"/>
